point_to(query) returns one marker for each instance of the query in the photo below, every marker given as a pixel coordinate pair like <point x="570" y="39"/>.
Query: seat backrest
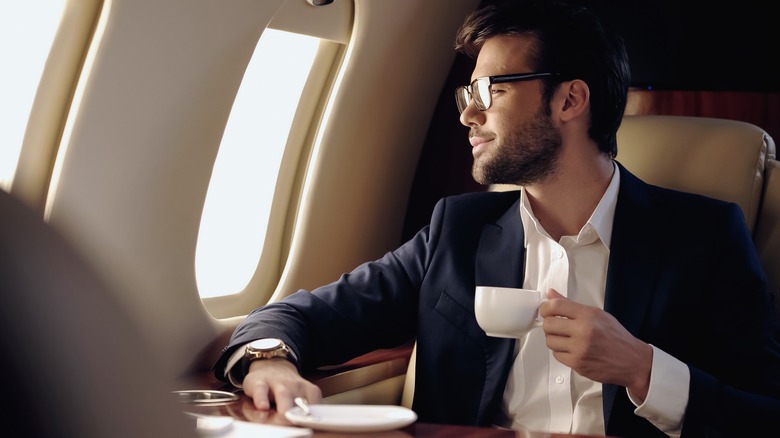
<point x="767" y="234"/>
<point x="723" y="159"/>
<point x="73" y="361"/>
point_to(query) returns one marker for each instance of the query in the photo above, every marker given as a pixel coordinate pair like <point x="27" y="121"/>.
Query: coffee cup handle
<point x="539" y="321"/>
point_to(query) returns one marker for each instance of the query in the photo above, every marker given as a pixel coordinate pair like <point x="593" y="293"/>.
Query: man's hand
<point x="278" y="380"/>
<point x="594" y="344"/>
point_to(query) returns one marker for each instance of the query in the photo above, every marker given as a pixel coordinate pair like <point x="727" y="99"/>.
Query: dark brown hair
<point x="569" y="40"/>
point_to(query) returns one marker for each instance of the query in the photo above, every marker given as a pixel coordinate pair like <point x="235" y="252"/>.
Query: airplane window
<point x="26" y="33"/>
<point x="238" y="202"/>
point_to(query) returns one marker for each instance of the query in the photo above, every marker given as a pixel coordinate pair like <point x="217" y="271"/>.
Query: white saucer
<point x="352" y="418"/>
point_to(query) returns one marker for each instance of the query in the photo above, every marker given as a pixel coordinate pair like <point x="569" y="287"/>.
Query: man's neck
<point x="564" y="203"/>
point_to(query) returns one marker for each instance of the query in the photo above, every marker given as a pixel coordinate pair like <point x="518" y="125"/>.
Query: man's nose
<point x="471" y="116"/>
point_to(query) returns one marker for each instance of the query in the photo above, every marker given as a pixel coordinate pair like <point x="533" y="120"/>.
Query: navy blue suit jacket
<point x="683" y="275"/>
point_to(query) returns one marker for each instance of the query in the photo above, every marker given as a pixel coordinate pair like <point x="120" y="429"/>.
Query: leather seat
<point x="725" y="159"/>
<point x="767" y="232"/>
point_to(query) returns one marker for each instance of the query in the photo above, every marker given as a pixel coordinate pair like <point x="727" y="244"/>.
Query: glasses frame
<point x="464" y="94"/>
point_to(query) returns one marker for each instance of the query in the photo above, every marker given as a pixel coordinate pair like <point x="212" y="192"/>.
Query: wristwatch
<point x="266" y="348"/>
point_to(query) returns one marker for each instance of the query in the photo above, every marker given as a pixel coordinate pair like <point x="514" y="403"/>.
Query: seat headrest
<point x="723" y="159"/>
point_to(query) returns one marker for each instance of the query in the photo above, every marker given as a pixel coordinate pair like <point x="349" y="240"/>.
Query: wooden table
<point x="243" y="409"/>
<point x="394" y="361"/>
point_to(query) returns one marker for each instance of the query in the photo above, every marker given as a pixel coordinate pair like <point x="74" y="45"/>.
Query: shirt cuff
<point x="667" y="396"/>
<point x="235" y="358"/>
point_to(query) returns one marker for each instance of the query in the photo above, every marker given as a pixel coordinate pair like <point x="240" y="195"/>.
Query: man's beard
<point x="527" y="156"/>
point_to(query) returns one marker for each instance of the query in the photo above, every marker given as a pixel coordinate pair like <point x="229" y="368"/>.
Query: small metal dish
<point x="205" y="396"/>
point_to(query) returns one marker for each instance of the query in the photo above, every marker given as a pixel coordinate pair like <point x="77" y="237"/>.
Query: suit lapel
<point x="634" y="257"/>
<point x="500" y="253"/>
<point x="499" y="262"/>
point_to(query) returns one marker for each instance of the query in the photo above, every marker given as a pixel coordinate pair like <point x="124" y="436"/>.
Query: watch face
<point x="265" y="344"/>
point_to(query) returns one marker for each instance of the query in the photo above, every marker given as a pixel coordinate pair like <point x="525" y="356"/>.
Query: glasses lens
<point x="481" y="89"/>
<point x="462" y="98"/>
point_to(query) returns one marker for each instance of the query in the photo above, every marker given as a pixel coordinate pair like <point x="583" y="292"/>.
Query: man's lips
<point x="476" y="142"/>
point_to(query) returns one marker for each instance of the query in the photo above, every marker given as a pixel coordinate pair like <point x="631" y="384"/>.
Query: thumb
<point x="552" y="293"/>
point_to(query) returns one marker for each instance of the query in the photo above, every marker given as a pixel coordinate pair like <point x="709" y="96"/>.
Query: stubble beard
<point x="529" y="155"/>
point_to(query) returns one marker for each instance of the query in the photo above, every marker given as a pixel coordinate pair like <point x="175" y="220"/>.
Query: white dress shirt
<point x="541" y="393"/>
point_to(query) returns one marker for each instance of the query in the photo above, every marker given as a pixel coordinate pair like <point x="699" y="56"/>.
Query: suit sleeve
<point x="744" y="344"/>
<point x="374" y="306"/>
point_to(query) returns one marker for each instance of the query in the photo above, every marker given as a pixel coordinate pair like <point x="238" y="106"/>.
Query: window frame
<point x="53" y="100"/>
<point x="262" y="286"/>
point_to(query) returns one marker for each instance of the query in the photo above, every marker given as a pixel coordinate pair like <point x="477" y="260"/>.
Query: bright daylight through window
<point x="26" y="32"/>
<point x="238" y="203"/>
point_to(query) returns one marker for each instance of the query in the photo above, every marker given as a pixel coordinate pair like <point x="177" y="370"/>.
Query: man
<point x="659" y="319"/>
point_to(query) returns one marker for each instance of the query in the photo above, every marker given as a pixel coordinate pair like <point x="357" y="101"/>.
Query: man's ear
<point x="575" y="97"/>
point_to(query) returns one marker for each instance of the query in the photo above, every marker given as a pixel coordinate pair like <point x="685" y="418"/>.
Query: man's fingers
<point x="552" y="293"/>
<point x="259" y="391"/>
<point x="277" y="382"/>
<point x="283" y="397"/>
<point x="313" y="394"/>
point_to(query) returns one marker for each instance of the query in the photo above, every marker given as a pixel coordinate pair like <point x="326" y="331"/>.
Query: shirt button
<point x="559" y="380"/>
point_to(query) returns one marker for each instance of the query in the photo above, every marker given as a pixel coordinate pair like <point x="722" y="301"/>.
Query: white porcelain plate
<point x="352" y="418"/>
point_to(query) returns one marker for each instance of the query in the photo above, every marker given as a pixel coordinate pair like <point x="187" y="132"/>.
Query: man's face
<point x="514" y="141"/>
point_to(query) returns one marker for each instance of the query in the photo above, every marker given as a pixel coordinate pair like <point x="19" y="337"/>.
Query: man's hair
<point x="569" y="40"/>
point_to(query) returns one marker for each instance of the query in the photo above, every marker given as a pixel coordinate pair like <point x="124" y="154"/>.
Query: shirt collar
<point x="601" y="220"/>
<point x="603" y="216"/>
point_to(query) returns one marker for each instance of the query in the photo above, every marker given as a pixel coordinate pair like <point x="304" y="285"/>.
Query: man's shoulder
<point x="480" y="206"/>
<point x="669" y="196"/>
<point x="486" y="199"/>
<point x="688" y="200"/>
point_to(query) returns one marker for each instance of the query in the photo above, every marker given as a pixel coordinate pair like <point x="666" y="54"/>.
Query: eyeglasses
<point x="480" y="89"/>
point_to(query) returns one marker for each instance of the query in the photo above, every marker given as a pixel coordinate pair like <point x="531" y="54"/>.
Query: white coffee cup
<point x="507" y="312"/>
